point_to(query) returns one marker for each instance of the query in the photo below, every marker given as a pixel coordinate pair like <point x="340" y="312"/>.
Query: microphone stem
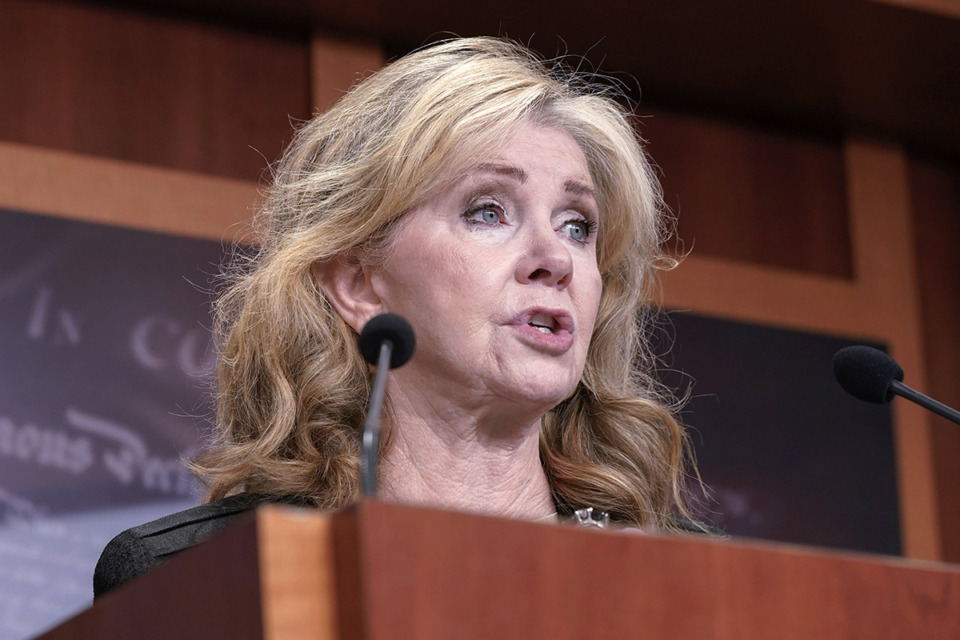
<point x="924" y="401"/>
<point x="370" y="451"/>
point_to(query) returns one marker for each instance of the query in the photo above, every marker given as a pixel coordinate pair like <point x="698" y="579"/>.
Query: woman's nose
<point x="546" y="260"/>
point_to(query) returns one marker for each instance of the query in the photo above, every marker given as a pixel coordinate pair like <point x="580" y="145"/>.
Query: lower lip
<point x="557" y="342"/>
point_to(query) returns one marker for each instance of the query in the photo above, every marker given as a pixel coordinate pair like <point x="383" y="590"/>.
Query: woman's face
<point x="498" y="276"/>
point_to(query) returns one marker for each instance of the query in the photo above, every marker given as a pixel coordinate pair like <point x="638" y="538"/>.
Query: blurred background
<point x="810" y="151"/>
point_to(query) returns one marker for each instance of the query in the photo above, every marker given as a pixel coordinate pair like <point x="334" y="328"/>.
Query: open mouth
<point x="543" y="323"/>
<point x="551" y="330"/>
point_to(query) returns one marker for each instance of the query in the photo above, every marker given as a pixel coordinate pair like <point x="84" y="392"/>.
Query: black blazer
<point x="137" y="550"/>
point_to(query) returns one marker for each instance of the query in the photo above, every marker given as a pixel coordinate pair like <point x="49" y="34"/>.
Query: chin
<point x="546" y="395"/>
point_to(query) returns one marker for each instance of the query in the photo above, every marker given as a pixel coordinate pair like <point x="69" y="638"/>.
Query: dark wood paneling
<point x="748" y="194"/>
<point x="145" y="89"/>
<point x="838" y="64"/>
<point x="935" y="188"/>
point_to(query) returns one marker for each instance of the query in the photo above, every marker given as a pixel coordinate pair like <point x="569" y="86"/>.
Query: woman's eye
<point x="579" y="230"/>
<point x="485" y="214"/>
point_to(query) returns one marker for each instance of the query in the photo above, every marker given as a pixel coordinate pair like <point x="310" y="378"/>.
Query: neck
<point x="448" y="457"/>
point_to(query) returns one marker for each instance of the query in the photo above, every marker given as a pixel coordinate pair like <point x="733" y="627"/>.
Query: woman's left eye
<point x="579" y="229"/>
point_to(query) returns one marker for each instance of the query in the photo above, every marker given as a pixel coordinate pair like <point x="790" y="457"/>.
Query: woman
<point x="507" y="211"/>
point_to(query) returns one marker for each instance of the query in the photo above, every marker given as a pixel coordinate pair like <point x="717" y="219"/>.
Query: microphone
<point x="873" y="376"/>
<point x="386" y="341"/>
<point x="388" y="327"/>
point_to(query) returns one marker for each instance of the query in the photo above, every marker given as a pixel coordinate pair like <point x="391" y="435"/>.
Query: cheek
<point x="424" y="279"/>
<point x="440" y="276"/>
<point x="591" y="290"/>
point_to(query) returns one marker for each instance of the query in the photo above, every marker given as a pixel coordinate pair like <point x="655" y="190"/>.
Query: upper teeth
<point x="543" y="323"/>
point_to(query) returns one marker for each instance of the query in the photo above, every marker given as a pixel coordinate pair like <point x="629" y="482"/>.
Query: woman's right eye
<point x="486" y="213"/>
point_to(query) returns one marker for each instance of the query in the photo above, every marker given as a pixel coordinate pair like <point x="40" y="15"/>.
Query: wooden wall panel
<point x="935" y="189"/>
<point x="949" y="8"/>
<point x="147" y="89"/>
<point x="879" y="301"/>
<point x="777" y="234"/>
<point x="337" y="64"/>
<point x="747" y="194"/>
<point x="112" y="192"/>
<point x="886" y="268"/>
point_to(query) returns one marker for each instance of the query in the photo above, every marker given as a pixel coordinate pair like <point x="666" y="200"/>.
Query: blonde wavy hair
<point x="292" y="385"/>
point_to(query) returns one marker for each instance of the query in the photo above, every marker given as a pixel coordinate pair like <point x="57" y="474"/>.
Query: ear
<point x="346" y="281"/>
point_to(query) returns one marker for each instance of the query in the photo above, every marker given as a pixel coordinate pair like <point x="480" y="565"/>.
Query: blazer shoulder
<point x="141" y="548"/>
<point x="179" y="531"/>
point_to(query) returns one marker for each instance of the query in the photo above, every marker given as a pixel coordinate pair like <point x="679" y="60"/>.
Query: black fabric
<point x="140" y="549"/>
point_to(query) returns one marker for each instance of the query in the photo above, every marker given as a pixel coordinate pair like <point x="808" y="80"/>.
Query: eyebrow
<point x="579" y="188"/>
<point x="575" y="187"/>
<point x="516" y="173"/>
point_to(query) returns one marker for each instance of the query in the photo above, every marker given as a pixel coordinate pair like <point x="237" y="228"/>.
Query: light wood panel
<point x="779" y="297"/>
<point x="123" y="194"/>
<point x="886" y="270"/>
<point x="935" y="189"/>
<point x="298" y="588"/>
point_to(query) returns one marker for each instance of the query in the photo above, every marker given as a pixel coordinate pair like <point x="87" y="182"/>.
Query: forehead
<point x="526" y="149"/>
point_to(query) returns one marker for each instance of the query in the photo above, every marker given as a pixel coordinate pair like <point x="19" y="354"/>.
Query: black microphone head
<point x="866" y="373"/>
<point x="388" y="326"/>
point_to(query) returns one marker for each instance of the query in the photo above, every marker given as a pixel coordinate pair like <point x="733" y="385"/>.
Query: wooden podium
<point x="381" y="571"/>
